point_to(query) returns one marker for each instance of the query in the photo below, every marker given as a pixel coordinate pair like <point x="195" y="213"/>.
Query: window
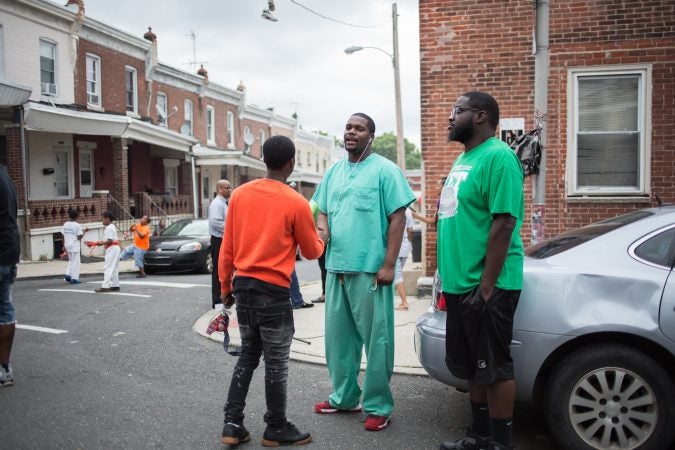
<point x="93" y="80"/>
<point x="131" y="89"/>
<point x="210" y="125"/>
<point x="2" y="53"/>
<point x="187" y="108"/>
<point x="608" y="132"/>
<point x="309" y="159"/>
<point x="47" y="68"/>
<point x="658" y="249"/>
<point x="248" y="139"/>
<point x="230" y="129"/>
<point x="171" y="180"/>
<point x="162" y="110"/>
<point x="263" y="138"/>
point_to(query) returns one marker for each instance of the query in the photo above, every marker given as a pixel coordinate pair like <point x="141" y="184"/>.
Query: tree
<point x="385" y="145"/>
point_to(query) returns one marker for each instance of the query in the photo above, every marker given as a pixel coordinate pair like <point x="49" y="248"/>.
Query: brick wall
<point x="14" y="166"/>
<point x="487" y="47"/>
<point x="113" y="88"/>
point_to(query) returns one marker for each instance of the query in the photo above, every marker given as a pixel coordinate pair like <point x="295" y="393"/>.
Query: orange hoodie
<point x="266" y="221"/>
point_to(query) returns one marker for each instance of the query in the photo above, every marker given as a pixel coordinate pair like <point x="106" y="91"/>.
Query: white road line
<point x="42" y="329"/>
<point x="157" y="283"/>
<point x="82" y="291"/>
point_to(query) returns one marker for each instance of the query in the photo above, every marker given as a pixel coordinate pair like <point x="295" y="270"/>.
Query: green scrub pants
<point x="357" y="313"/>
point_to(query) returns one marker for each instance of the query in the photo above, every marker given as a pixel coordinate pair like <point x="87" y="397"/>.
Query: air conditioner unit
<point x="48" y="89"/>
<point x="93" y="99"/>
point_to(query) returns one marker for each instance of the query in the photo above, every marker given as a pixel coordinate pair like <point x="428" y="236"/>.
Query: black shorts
<point x="478" y="335"/>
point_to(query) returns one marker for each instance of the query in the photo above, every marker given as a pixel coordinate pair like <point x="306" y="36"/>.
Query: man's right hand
<point x="324" y="234"/>
<point x="227" y="299"/>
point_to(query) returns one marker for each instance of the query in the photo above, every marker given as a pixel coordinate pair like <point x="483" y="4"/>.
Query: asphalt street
<point x="126" y="370"/>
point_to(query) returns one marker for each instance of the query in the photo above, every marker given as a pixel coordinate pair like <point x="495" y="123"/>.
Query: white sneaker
<point x="6" y="376"/>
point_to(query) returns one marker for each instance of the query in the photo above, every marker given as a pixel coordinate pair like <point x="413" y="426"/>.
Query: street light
<point x="400" y="148"/>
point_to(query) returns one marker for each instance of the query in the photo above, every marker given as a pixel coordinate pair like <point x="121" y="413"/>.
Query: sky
<point x="296" y="64"/>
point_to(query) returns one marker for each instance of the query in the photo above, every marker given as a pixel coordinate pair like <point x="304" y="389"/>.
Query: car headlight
<point x="190" y="247"/>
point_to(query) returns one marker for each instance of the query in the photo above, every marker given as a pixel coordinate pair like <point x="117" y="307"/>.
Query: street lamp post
<point x="400" y="148"/>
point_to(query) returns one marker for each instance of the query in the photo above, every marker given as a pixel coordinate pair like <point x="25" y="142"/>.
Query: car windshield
<point x="571" y="239"/>
<point x="187" y="228"/>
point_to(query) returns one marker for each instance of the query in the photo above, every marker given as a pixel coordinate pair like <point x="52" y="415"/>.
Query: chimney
<point x="204" y="73"/>
<point x="76" y="6"/>
<point x="152" y="37"/>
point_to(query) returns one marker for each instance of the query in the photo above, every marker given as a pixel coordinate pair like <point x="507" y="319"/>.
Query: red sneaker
<point x="327" y="408"/>
<point x="376" y="423"/>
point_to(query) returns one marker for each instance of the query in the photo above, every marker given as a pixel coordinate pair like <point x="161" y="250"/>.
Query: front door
<point x="61" y="165"/>
<point x="86" y="178"/>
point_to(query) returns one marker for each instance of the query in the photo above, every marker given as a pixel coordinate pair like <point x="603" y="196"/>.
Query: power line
<point x="336" y="20"/>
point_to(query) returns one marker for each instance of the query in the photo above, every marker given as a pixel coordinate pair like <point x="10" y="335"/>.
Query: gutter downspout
<point x="541" y="74"/>
<point x="195" y="205"/>
<point x="24" y="175"/>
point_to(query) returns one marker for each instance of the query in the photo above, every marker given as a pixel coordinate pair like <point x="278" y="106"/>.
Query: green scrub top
<point x="358" y="198"/>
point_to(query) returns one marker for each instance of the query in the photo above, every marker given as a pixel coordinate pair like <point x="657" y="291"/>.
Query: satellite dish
<point x="249" y="139"/>
<point x="185" y="129"/>
<point x="161" y="113"/>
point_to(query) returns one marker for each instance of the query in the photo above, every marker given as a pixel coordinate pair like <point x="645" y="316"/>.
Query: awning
<point x="12" y="94"/>
<point x="305" y="177"/>
<point x="212" y="157"/>
<point x="40" y="117"/>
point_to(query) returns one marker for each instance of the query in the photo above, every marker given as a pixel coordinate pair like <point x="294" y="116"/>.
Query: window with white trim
<point x="210" y="125"/>
<point x="230" y="129"/>
<point x="187" y="108"/>
<point x="93" y="64"/>
<point x="162" y="110"/>
<point x="131" y="89"/>
<point x="609" y="130"/>
<point x="48" y="67"/>
<point x="263" y="138"/>
<point x="2" y="52"/>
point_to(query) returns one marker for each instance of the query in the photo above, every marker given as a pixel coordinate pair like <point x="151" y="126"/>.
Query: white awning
<point x="39" y="117"/>
<point x="212" y="157"/>
<point x="12" y="94"/>
<point x="305" y="177"/>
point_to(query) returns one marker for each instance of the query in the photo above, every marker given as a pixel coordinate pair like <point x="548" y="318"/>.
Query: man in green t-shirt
<point x="480" y="260"/>
<point x="361" y="202"/>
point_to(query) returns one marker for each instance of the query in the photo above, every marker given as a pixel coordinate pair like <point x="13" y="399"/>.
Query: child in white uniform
<point x="72" y="235"/>
<point x="111" y="280"/>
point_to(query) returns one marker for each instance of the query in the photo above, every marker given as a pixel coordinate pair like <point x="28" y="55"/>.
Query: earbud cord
<point x="344" y="172"/>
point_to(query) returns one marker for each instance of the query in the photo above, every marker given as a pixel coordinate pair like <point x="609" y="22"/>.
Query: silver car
<point x="594" y="333"/>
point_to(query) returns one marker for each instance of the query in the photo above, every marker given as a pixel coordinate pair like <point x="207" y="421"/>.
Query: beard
<point x="461" y="134"/>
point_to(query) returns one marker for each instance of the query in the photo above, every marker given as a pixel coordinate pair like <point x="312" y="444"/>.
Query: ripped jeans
<point x="266" y="326"/>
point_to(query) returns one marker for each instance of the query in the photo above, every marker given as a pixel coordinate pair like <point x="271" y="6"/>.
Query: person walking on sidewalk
<point x="406" y="244"/>
<point x="265" y="223"/>
<point x="217" y="216"/>
<point x="480" y="260"/>
<point x="10" y="251"/>
<point x="111" y="263"/>
<point x="72" y="235"/>
<point x="140" y="246"/>
<point x="362" y="203"/>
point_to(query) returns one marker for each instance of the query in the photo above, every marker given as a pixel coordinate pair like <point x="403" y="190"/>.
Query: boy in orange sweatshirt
<point x="266" y="221"/>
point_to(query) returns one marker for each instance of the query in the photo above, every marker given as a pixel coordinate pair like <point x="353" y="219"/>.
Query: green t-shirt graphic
<point x="484" y="181"/>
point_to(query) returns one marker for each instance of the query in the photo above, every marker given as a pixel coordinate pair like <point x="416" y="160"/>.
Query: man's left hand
<point x="385" y="276"/>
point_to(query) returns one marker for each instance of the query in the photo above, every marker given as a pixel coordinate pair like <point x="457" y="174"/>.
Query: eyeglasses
<point x="459" y="110"/>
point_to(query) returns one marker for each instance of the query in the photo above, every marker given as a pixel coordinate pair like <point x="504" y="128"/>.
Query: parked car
<point x="183" y="246"/>
<point x="594" y="333"/>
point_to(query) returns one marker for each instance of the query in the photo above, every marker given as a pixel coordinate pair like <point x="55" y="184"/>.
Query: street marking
<point x="82" y="291"/>
<point x="42" y="329"/>
<point x="157" y="284"/>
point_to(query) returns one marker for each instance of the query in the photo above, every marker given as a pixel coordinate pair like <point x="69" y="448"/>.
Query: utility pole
<point x="541" y="71"/>
<point x="400" y="147"/>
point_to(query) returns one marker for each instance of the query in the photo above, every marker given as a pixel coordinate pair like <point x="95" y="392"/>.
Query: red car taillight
<point x="440" y="302"/>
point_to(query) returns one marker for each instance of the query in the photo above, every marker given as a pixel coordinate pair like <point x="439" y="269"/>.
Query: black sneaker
<point x="234" y="434"/>
<point x="287" y="434"/>
<point x="496" y="446"/>
<point x="472" y="441"/>
<point x="115" y="289"/>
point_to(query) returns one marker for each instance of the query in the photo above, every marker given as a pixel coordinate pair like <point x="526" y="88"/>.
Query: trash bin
<point x="417" y="246"/>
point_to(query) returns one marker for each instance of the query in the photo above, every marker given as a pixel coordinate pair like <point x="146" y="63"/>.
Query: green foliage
<point x="385" y="145"/>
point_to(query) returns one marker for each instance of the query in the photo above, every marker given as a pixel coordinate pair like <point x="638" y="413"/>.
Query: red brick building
<point x="611" y="99"/>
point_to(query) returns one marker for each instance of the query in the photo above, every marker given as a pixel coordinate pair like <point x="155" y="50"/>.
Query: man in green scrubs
<point x="362" y="203"/>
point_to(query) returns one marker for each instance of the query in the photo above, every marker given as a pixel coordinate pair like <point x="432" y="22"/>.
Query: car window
<point x="571" y="239"/>
<point x="187" y="228"/>
<point x="658" y="249"/>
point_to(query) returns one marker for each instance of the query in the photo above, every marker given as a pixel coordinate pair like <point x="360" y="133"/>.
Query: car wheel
<point x="207" y="267"/>
<point x="610" y="397"/>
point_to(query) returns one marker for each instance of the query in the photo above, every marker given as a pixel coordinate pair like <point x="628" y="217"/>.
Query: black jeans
<point x="266" y="325"/>
<point x="215" y="282"/>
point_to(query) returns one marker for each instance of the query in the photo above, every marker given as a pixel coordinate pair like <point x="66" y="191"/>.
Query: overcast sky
<point x="295" y="64"/>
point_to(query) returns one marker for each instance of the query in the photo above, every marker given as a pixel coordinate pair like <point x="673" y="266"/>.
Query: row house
<point x="91" y="120"/>
<point x="610" y="101"/>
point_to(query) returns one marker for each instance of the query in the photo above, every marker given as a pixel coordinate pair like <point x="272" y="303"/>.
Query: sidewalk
<point x="309" y="322"/>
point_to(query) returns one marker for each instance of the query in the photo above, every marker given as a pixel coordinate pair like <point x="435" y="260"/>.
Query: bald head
<point x="223" y="188"/>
